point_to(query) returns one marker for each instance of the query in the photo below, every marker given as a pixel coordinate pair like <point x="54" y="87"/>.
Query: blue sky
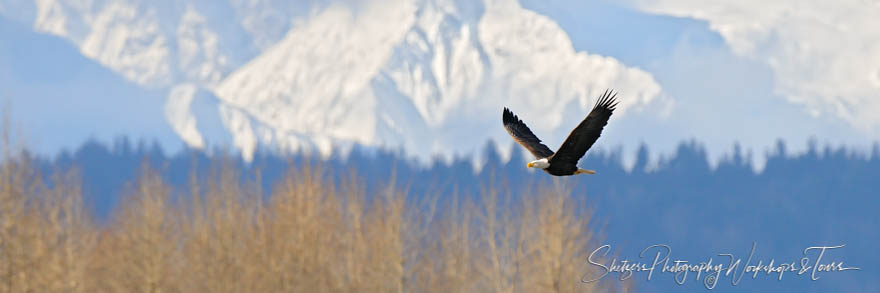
<point x="58" y="98"/>
<point x="728" y="71"/>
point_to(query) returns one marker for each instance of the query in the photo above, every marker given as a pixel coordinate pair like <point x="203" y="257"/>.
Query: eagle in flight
<point x="564" y="161"/>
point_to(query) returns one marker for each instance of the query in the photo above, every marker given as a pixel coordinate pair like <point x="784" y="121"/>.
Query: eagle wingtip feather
<point x="607" y="100"/>
<point x="508" y="116"/>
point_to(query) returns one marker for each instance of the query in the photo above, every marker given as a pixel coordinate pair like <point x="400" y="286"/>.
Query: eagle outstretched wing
<point x="587" y="132"/>
<point x="522" y="135"/>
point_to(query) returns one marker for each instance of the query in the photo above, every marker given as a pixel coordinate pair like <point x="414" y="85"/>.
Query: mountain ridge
<point x="427" y="76"/>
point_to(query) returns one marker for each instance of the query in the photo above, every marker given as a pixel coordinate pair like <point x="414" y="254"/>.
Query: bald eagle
<point x="564" y="161"/>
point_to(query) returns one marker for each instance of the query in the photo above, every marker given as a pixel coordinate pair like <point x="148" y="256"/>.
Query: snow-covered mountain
<point x="428" y="76"/>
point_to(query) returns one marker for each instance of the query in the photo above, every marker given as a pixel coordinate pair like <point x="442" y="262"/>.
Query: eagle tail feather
<point x="584" y="171"/>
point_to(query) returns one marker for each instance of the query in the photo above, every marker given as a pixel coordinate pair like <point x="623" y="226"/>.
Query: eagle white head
<point x="541" y="163"/>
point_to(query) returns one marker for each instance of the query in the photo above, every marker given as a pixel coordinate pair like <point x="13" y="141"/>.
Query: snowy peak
<point x="313" y="87"/>
<point x="160" y="43"/>
<point x="427" y="76"/>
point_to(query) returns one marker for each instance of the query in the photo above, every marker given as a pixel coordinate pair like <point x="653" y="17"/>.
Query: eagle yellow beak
<point x="530" y="164"/>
